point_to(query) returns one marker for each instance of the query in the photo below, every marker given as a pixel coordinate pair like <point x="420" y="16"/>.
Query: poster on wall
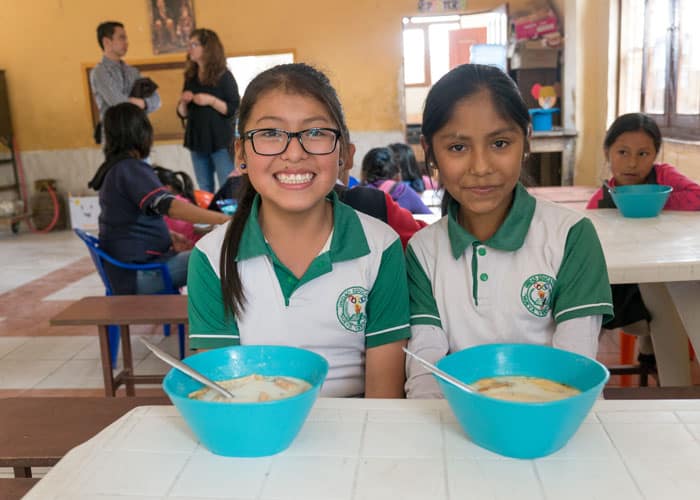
<point x="172" y="23"/>
<point x="442" y="5"/>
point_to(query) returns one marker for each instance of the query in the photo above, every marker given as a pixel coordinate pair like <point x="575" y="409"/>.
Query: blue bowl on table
<point x="514" y="429"/>
<point x="247" y="429"/>
<point x="640" y="200"/>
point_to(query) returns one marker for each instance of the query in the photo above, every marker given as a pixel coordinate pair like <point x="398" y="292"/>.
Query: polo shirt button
<point x="484" y="277"/>
<point x="482" y="251"/>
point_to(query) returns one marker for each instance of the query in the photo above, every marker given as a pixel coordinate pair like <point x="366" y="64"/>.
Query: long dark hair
<point x="127" y="130"/>
<point x="633" y="122"/>
<point x="465" y="81"/>
<point x="213" y="55"/>
<point x="379" y="164"/>
<point x="300" y="79"/>
<point x="408" y="165"/>
<point x="180" y="182"/>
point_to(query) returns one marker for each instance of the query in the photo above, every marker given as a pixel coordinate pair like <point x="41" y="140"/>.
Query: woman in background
<point x="209" y="102"/>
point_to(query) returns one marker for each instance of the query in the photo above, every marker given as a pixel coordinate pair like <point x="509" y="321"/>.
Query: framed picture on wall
<point x="172" y="23"/>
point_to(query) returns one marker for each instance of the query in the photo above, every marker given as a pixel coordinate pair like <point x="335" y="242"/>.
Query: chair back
<point x="99" y="257"/>
<point x="93" y="245"/>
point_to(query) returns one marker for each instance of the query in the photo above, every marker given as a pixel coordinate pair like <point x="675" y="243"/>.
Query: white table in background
<point x="390" y="449"/>
<point x="662" y="254"/>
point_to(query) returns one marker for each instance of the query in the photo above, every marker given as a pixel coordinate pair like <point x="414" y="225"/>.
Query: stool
<point x="645" y="367"/>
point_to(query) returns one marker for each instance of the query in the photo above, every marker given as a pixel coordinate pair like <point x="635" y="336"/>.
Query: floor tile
<point x="18" y="373"/>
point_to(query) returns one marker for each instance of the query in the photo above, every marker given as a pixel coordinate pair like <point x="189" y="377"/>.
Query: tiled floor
<point x="41" y="275"/>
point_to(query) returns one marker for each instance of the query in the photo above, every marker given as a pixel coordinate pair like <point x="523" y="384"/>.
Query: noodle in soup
<point x="524" y="389"/>
<point x="254" y="388"/>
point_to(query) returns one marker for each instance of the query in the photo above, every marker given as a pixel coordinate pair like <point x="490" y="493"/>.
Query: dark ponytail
<point x="187" y="186"/>
<point x="231" y="285"/>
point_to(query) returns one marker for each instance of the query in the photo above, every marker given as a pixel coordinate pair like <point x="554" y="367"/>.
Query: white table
<point x="390" y="449"/>
<point x="662" y="254"/>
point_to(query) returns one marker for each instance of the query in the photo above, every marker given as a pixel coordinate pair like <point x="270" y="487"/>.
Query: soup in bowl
<point x="250" y="425"/>
<point x="522" y="429"/>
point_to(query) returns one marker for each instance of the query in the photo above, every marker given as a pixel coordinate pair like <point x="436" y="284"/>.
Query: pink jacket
<point x="685" y="194"/>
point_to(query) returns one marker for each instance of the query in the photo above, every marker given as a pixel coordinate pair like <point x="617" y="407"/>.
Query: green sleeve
<point x="424" y="309"/>
<point x="387" y="303"/>
<point x="582" y="287"/>
<point x="210" y="326"/>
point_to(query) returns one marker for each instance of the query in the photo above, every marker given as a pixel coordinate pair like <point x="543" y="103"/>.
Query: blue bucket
<point x="542" y="118"/>
<point x="521" y="430"/>
<point x="247" y="429"/>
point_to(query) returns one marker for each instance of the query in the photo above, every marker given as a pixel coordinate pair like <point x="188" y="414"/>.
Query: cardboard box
<point x="532" y="54"/>
<point x="535" y="25"/>
<point x="84" y="212"/>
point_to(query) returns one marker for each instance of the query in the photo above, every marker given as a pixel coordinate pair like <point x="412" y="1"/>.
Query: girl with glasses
<point x="296" y="266"/>
<point x="208" y="103"/>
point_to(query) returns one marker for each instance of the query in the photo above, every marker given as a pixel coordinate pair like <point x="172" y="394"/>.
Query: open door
<point x="461" y="42"/>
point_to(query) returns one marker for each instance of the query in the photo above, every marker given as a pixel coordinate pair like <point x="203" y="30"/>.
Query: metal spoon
<point x="443" y="375"/>
<point x="187" y="370"/>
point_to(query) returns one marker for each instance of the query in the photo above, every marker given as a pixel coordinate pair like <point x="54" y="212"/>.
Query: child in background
<point x="408" y="166"/>
<point x="375" y="202"/>
<point x="180" y="184"/>
<point x="380" y="170"/>
<point x="295" y="266"/>
<point x="631" y="146"/>
<point x="501" y="266"/>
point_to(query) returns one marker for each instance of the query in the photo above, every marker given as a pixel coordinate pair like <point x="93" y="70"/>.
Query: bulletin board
<point x="169" y="77"/>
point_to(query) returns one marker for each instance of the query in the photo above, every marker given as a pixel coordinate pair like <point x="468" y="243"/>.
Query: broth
<point x="524" y="389"/>
<point x="254" y="388"/>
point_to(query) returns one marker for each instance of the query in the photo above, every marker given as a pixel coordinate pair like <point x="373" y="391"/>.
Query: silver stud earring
<point x="243" y="166"/>
<point x="341" y="163"/>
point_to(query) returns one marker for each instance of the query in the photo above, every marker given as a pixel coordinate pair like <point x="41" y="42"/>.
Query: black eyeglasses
<point x="275" y="141"/>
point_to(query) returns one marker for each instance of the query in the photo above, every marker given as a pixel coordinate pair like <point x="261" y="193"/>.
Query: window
<point x="432" y="45"/>
<point x="660" y="63"/>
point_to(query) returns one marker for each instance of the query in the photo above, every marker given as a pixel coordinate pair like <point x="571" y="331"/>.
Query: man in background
<point x="112" y="80"/>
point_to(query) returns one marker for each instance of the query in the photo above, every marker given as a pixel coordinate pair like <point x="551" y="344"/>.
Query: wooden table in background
<point x="124" y="310"/>
<point x="38" y="432"/>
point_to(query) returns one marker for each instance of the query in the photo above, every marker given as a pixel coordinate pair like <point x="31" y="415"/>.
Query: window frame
<point x="672" y="124"/>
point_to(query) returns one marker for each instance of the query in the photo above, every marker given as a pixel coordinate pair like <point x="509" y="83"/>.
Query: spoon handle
<point x="439" y="373"/>
<point x="179" y="365"/>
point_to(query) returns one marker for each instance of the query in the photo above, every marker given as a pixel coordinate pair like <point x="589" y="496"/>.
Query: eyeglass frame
<point x="249" y="135"/>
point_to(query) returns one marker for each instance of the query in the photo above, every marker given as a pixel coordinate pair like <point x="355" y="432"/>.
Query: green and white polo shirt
<point x="543" y="266"/>
<point x="353" y="296"/>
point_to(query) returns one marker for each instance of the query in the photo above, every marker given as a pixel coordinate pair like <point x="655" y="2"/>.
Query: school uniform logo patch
<point x="535" y="294"/>
<point x="350" y="308"/>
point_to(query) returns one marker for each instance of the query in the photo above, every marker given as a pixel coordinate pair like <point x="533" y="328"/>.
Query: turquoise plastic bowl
<point x="641" y="200"/>
<point x="521" y="430"/>
<point x="247" y="429"/>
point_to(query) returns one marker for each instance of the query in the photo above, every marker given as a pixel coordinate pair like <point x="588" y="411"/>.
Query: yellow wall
<point x="46" y="43"/>
<point x="591" y="88"/>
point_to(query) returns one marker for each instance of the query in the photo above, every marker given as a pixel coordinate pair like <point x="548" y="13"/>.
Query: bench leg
<point x="106" y="355"/>
<point x="23" y="471"/>
<point x="128" y="359"/>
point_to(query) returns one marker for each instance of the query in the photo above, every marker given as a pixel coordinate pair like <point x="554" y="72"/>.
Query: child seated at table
<point x="180" y="184"/>
<point x="631" y="146"/>
<point x="501" y="266"/>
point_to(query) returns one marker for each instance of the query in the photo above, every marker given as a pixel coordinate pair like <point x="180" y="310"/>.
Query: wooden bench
<point x="14" y="489"/>
<point x="38" y="432"/>
<point x="124" y="310"/>
<point x="682" y="392"/>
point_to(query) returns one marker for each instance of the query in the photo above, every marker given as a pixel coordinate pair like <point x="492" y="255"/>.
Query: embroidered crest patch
<point x="350" y="308"/>
<point x="535" y="294"/>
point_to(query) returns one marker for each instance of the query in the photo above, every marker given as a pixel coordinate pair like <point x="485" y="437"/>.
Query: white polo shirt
<point x="353" y="296"/>
<point x="543" y="266"/>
